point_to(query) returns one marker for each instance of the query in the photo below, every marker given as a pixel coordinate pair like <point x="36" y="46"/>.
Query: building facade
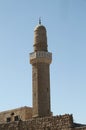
<point x="22" y="113"/>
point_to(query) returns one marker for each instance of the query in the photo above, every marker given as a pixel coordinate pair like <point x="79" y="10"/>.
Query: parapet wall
<point x="64" y="122"/>
<point x="80" y="128"/>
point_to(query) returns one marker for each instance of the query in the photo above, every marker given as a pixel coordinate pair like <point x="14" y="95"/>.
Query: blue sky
<point x="65" y="21"/>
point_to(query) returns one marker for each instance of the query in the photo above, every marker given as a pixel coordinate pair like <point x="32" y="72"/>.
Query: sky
<point x="65" y="21"/>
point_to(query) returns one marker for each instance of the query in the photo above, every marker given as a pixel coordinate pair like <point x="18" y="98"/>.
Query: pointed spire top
<point x="40" y="20"/>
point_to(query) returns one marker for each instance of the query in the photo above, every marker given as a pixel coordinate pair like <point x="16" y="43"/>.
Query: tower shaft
<point x="41" y="91"/>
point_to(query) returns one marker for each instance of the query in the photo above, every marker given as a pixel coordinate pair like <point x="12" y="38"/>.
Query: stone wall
<point x="64" y="122"/>
<point x="80" y="128"/>
<point x="22" y="113"/>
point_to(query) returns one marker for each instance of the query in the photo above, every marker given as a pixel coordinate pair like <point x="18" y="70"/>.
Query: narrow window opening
<point x="47" y="89"/>
<point x="16" y="118"/>
<point x="8" y="119"/>
<point x="12" y="113"/>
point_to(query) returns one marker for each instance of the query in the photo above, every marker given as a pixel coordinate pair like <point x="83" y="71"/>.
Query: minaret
<point x="40" y="60"/>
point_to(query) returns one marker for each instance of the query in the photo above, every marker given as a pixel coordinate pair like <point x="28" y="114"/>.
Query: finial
<point x="39" y="20"/>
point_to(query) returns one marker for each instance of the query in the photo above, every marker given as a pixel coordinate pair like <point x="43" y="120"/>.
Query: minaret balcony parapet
<point x="40" y="56"/>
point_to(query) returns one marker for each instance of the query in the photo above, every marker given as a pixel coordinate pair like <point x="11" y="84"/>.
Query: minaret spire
<point x="40" y="20"/>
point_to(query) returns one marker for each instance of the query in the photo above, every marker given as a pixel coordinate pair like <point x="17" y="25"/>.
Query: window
<point x="47" y="89"/>
<point x="8" y="119"/>
<point x="16" y="118"/>
<point x="12" y="113"/>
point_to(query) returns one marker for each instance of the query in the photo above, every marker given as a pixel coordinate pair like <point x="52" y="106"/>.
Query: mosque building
<point x="39" y="116"/>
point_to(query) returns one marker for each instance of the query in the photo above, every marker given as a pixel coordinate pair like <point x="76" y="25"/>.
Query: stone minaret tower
<point x="40" y="60"/>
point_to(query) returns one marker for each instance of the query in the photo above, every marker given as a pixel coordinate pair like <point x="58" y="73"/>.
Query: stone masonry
<point x="40" y="60"/>
<point x="62" y="122"/>
<point x="22" y="113"/>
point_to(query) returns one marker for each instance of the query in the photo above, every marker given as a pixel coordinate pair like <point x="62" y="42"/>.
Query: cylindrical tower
<point x="40" y="60"/>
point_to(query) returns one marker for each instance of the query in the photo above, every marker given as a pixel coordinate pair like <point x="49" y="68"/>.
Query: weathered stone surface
<point x="22" y="113"/>
<point x="64" y="122"/>
<point x="40" y="60"/>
